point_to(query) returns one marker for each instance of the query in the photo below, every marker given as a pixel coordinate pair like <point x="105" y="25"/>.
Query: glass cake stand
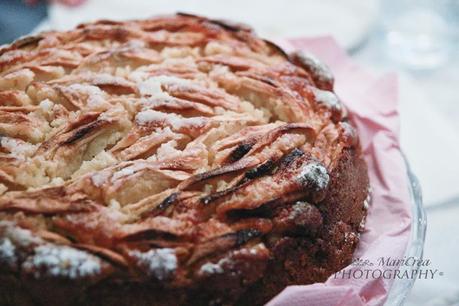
<point x="401" y="287"/>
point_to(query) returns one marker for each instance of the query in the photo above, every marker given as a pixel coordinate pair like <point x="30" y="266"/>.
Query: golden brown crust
<point x="174" y="160"/>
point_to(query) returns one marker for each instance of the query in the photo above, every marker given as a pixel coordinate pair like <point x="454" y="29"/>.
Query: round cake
<point x="177" y="160"/>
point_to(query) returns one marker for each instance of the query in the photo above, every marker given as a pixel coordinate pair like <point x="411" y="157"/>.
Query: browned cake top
<point x="159" y="149"/>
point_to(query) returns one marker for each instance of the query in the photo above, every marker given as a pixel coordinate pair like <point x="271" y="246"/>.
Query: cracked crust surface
<point x="171" y="161"/>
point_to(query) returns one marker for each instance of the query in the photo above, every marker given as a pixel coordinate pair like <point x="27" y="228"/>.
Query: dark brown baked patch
<point x="171" y="161"/>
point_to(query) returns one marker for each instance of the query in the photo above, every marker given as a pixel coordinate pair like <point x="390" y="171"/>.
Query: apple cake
<point x="176" y="160"/>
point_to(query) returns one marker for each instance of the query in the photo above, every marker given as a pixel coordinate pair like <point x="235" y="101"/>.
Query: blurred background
<point x="418" y="39"/>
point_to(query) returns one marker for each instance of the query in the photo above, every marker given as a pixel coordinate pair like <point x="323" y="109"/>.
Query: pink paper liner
<point x="373" y="104"/>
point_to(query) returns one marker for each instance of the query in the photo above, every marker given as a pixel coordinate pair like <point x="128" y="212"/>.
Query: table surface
<point x="429" y="110"/>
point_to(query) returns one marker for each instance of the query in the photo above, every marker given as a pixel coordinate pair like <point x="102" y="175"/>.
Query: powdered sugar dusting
<point x="153" y="88"/>
<point x="327" y="98"/>
<point x="317" y="68"/>
<point x="211" y="268"/>
<point x="348" y="131"/>
<point x="12" y="55"/>
<point x="299" y="209"/>
<point x="123" y="172"/>
<point x="61" y="261"/>
<point x="366" y="203"/>
<point x="175" y="121"/>
<point x="106" y="78"/>
<point x="95" y="96"/>
<point x="166" y="79"/>
<point x="168" y="150"/>
<point x="159" y="263"/>
<point x="100" y="178"/>
<point x="19" y="237"/>
<point x="46" y="105"/>
<point x="15" y="240"/>
<point x="350" y="237"/>
<point x="228" y="262"/>
<point x="7" y="252"/>
<point x="362" y="224"/>
<point x="314" y="174"/>
<point x="149" y="116"/>
<point x="17" y="146"/>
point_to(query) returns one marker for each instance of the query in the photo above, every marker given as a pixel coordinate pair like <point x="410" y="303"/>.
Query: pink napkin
<point x="373" y="104"/>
